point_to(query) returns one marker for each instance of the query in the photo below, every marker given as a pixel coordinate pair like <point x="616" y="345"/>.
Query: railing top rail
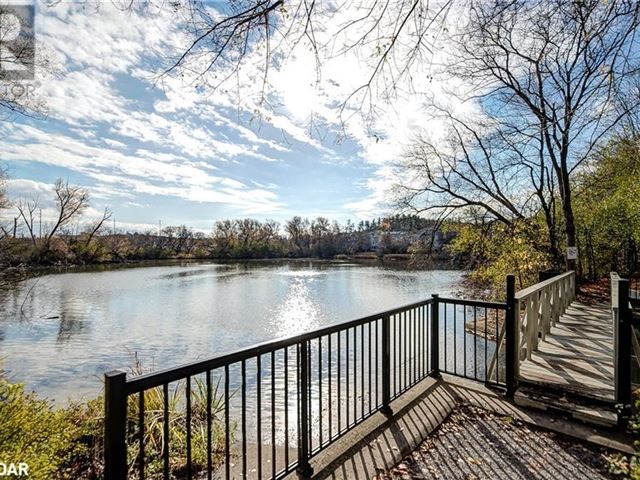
<point x="474" y="303"/>
<point x="172" y="374"/>
<point x="533" y="289"/>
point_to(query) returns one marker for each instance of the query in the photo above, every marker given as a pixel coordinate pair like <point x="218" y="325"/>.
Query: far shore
<point x="23" y="271"/>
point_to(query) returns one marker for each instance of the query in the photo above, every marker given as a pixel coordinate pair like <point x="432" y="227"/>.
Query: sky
<point x="176" y="150"/>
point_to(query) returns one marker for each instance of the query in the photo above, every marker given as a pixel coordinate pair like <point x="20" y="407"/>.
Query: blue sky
<point x="177" y="150"/>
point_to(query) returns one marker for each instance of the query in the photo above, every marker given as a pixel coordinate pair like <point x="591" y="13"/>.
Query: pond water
<point x="59" y="333"/>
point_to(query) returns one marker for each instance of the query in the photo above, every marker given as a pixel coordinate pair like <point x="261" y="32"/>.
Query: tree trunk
<point x="552" y="233"/>
<point x="570" y="228"/>
<point x="564" y="188"/>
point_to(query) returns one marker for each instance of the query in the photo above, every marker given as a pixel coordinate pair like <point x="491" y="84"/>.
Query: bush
<point x="33" y="432"/>
<point x="495" y="250"/>
<point x="68" y="443"/>
<point x="629" y="467"/>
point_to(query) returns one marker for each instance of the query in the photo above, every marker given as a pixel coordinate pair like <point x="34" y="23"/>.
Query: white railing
<point x="614" y="278"/>
<point x="540" y="307"/>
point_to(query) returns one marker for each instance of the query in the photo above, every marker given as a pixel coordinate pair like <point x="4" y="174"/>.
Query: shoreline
<point x="13" y="274"/>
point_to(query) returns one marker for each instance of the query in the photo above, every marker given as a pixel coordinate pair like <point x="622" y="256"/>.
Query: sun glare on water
<point x="298" y="313"/>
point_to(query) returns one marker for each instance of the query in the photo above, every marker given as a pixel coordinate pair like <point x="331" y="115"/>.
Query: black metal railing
<point x="265" y="411"/>
<point x="470" y="333"/>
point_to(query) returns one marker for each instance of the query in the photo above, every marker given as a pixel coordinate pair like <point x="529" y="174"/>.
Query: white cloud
<point x="137" y="137"/>
<point x="25" y="188"/>
<point x="143" y="172"/>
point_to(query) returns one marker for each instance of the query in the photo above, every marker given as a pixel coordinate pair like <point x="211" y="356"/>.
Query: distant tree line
<point x="72" y="238"/>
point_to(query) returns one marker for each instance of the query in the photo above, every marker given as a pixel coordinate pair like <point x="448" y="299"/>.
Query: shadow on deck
<point x="380" y="443"/>
<point x="577" y="355"/>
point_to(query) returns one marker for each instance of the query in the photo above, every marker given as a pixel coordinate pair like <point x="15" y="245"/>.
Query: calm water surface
<point x="59" y="333"/>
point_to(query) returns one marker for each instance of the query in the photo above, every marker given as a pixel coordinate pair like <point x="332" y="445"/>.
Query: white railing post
<point x="546" y="310"/>
<point x="543" y="304"/>
<point x="536" y="320"/>
<point x="554" y="304"/>
<point x="530" y="321"/>
<point x="572" y="286"/>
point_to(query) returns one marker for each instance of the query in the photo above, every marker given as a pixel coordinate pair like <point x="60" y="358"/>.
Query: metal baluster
<point x="416" y="344"/>
<point x="370" y="355"/>
<point x="475" y="343"/>
<point x="209" y="422"/>
<point x="410" y="340"/>
<point x="377" y="362"/>
<point x="355" y="377"/>
<point x="286" y="407"/>
<point x="427" y="345"/>
<point x="273" y="414"/>
<point x="419" y="350"/>
<point x="405" y="336"/>
<point x="455" y="340"/>
<point x="244" y="419"/>
<point x="259" y="412"/>
<point x="347" y="379"/>
<point x="386" y="365"/>
<point x="188" y="394"/>
<point x="362" y="371"/>
<point x="446" y="338"/>
<point x="320" y="389"/>
<point x="227" y="433"/>
<point x="486" y="346"/>
<point x="497" y="350"/>
<point x="330" y="389"/>
<point x="464" y="332"/>
<point x="165" y="465"/>
<point x="339" y="369"/>
<point x="141" y="435"/>
<point x="396" y="354"/>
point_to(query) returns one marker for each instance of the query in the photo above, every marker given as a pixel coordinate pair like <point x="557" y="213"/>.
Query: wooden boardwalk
<point x="577" y="355"/>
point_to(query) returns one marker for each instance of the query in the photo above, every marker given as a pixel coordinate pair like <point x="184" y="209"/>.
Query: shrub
<point x="67" y="443"/>
<point x="495" y="250"/>
<point x="629" y="467"/>
<point x="31" y="431"/>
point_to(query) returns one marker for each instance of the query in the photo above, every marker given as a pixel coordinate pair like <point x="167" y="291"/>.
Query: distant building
<point x="401" y="240"/>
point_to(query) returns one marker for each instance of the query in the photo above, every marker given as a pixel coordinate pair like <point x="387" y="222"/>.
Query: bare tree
<point x="4" y="198"/>
<point x="5" y="203"/>
<point x="466" y="170"/>
<point x="27" y="209"/>
<point x="393" y="37"/>
<point x="70" y="201"/>
<point x="98" y="224"/>
<point x="224" y="235"/>
<point x="298" y="231"/>
<point x="546" y="76"/>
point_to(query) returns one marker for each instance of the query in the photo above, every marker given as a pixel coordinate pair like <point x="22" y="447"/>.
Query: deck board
<point x="577" y="356"/>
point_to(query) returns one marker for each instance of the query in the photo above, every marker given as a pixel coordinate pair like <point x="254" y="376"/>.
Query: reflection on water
<point x="59" y="333"/>
<point x="298" y="313"/>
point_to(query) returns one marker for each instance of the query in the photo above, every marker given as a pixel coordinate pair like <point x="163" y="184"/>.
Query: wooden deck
<point x="577" y="355"/>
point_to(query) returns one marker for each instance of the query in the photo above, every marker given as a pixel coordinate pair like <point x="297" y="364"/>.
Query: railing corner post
<point x="386" y="367"/>
<point x="115" y="425"/>
<point x="511" y="334"/>
<point x="622" y="345"/>
<point x="304" y="468"/>
<point x="435" y="335"/>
